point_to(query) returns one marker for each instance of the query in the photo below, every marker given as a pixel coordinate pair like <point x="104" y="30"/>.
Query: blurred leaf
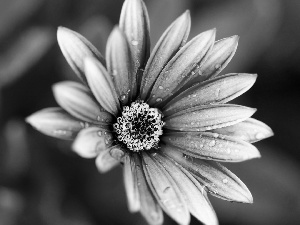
<point x="13" y="13"/>
<point x="27" y="50"/>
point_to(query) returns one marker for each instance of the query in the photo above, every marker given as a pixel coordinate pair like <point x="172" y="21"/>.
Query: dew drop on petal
<point x="123" y="97"/>
<point x="216" y="135"/>
<point x="114" y="72"/>
<point x="160" y="87"/>
<point x="212" y="143"/>
<point x="225" y="181"/>
<point x="217" y="66"/>
<point x="134" y="42"/>
<point x="158" y="99"/>
<point x="166" y="189"/>
<point x="99" y="133"/>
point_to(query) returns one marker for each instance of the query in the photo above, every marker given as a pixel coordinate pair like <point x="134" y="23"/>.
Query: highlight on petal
<point x="165" y="190"/>
<point x="150" y="208"/>
<point x="208" y="117"/>
<point x="214" y="177"/>
<point x="250" y="130"/>
<point x="77" y="99"/>
<point x="134" y="21"/>
<point x="169" y="43"/>
<point x="105" y="161"/>
<point x="119" y="64"/>
<point x="91" y="141"/>
<point x="218" y="90"/>
<point x="195" y="198"/>
<point x="211" y="146"/>
<point x="180" y="69"/>
<point x="76" y="48"/>
<point x="219" y="57"/>
<point x="131" y="184"/>
<point x="55" y="122"/>
<point x="101" y="85"/>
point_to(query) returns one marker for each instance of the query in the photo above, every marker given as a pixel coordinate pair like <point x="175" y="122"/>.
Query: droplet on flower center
<point x="139" y="127"/>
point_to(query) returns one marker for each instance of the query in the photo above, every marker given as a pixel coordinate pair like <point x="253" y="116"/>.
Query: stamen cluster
<point x="139" y="127"/>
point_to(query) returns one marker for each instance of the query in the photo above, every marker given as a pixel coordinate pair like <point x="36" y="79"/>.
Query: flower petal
<point x="91" y="141"/>
<point x="134" y="21"/>
<point x="118" y="63"/>
<point x="211" y="146"/>
<point x="76" y="48"/>
<point x="150" y="209"/>
<point x="169" y="43"/>
<point x="218" y="90"/>
<point x="77" y="99"/>
<point x="105" y="161"/>
<point x="55" y="122"/>
<point x="165" y="190"/>
<point x="131" y="184"/>
<point x="214" y="177"/>
<point x="180" y="68"/>
<point x="208" y="117"/>
<point x="194" y="197"/>
<point x="101" y="85"/>
<point x="250" y="130"/>
<point x="219" y="57"/>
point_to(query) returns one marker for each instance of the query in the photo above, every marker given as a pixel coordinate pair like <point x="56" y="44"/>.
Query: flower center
<point x="139" y="127"/>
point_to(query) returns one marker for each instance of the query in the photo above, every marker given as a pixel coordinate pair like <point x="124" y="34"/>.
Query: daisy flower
<point x="163" y="116"/>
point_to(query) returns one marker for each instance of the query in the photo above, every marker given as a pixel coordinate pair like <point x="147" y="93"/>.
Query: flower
<point x="164" y="116"/>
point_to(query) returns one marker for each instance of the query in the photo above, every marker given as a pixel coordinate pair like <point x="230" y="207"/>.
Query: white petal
<point x="167" y="46"/>
<point x="91" y="141"/>
<point x="179" y="69"/>
<point x="101" y="85"/>
<point x="105" y="161"/>
<point x="55" y="122"/>
<point x="195" y="198"/>
<point x="131" y="184"/>
<point x="77" y="99"/>
<point x="76" y="48"/>
<point x="119" y="64"/>
<point x="165" y="190"/>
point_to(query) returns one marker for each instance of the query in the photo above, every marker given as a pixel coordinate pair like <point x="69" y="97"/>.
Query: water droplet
<point x="123" y="97"/>
<point x="99" y="118"/>
<point x="114" y="72"/>
<point x="225" y="181"/>
<point x="158" y="99"/>
<point x="82" y="124"/>
<point x="166" y="189"/>
<point x="99" y="133"/>
<point x="154" y="154"/>
<point x="86" y="124"/>
<point x="217" y="66"/>
<point x="212" y="143"/>
<point x="160" y="87"/>
<point x="134" y="42"/>
<point x="216" y="135"/>
<point x="200" y="73"/>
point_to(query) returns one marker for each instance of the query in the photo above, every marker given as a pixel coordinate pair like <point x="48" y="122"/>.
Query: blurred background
<point x="42" y="182"/>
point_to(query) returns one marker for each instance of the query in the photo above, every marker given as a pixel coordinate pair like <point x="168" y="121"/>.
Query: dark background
<point x="42" y="182"/>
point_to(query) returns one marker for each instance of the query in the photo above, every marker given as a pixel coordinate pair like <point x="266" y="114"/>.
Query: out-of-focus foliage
<point x="43" y="182"/>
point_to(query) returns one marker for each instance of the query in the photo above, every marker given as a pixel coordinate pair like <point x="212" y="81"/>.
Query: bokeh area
<point x="42" y="182"/>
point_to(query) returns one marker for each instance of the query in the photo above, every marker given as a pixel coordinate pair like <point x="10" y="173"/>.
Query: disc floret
<point x="139" y="127"/>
